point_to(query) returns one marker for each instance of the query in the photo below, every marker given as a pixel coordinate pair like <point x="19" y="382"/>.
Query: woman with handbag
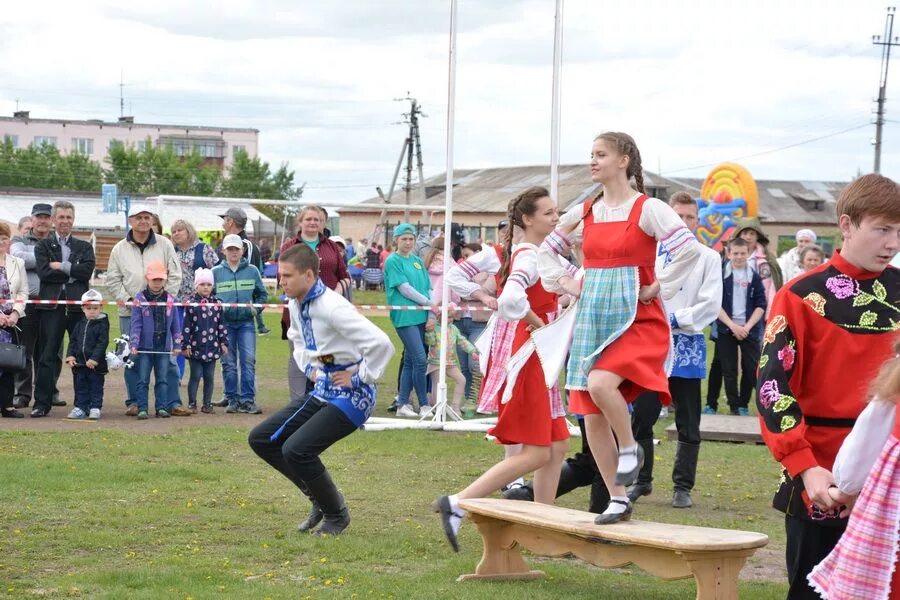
<point x="13" y="294"/>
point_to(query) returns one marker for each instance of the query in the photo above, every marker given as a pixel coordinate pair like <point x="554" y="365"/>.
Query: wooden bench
<point x="714" y="557"/>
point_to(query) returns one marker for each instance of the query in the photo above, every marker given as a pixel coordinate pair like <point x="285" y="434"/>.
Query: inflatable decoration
<point x="120" y="357"/>
<point x="728" y="193"/>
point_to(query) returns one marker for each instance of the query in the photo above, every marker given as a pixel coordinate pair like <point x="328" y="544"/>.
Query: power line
<point x="770" y="151"/>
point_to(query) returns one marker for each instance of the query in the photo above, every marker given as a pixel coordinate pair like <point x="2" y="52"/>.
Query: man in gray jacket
<point x="22" y="247"/>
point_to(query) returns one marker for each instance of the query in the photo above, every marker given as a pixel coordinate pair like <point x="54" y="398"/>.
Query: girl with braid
<point x="621" y="343"/>
<point x="533" y="415"/>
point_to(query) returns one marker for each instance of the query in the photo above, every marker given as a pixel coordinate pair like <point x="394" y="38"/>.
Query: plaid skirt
<point x="863" y="562"/>
<point x="606" y="310"/>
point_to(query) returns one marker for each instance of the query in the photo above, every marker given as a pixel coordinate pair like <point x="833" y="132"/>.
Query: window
<point x="42" y="140"/>
<point x="115" y="144"/>
<point x="83" y="146"/>
<point x="238" y="148"/>
<point x="13" y="139"/>
<point x="141" y="146"/>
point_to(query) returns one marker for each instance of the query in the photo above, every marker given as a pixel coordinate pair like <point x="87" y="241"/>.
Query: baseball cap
<point x="91" y="296"/>
<point x="338" y="240"/>
<point x="232" y="240"/>
<point x="41" y="209"/>
<point x="139" y="211"/>
<point x="235" y="214"/>
<point x="156" y="270"/>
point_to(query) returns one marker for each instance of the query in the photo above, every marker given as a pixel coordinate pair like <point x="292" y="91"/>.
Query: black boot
<point x="315" y="513"/>
<point x="684" y="474"/>
<point x="523" y="492"/>
<point x="334" y="510"/>
<point x="569" y="480"/>
<point x="644" y="484"/>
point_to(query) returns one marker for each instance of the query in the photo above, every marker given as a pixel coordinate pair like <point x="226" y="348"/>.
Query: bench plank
<point x="724" y="428"/>
<point x="714" y="557"/>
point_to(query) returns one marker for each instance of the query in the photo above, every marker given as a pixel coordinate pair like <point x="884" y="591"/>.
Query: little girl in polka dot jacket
<point x="205" y="339"/>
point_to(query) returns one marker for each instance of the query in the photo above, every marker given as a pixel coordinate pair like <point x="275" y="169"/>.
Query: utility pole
<point x="886" y="42"/>
<point x="412" y="144"/>
<point x="121" y="93"/>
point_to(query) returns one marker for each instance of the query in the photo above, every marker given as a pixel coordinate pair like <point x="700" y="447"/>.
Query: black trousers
<point x="714" y="379"/>
<point x="727" y="347"/>
<point x="54" y="324"/>
<point x="30" y="326"/>
<point x="7" y="385"/>
<point x="310" y="427"/>
<point x="808" y="543"/>
<point x="686" y="397"/>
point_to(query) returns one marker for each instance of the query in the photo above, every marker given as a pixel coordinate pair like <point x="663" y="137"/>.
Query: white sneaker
<point x="406" y="411"/>
<point x="664" y="412"/>
<point x="77" y="413"/>
<point x="423" y="410"/>
<point x="95" y="414"/>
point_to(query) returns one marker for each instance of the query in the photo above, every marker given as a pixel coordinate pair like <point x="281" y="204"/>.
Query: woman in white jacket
<point x="14" y="293"/>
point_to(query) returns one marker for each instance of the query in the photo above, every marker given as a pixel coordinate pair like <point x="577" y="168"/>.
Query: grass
<point x="192" y="513"/>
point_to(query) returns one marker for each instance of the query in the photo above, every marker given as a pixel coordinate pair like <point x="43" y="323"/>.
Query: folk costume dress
<point x="864" y="562"/>
<point x="533" y="414"/>
<point x="614" y="331"/>
<point x="831" y="330"/>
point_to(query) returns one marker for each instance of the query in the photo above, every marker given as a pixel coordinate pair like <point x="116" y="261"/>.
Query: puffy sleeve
<point x="679" y="246"/>
<point x="782" y="425"/>
<point x="697" y="316"/>
<point x="557" y="244"/>
<point x="372" y="343"/>
<point x="863" y="445"/>
<point x="513" y="302"/>
<point x="461" y="276"/>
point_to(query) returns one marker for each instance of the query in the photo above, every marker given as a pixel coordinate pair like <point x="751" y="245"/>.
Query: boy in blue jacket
<point x="237" y="281"/>
<point x="740" y="325"/>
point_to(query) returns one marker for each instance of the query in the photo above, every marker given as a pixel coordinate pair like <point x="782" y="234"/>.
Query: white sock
<point x="627" y="462"/>
<point x="615" y="508"/>
<point x="516" y="483"/>
<point x="458" y="513"/>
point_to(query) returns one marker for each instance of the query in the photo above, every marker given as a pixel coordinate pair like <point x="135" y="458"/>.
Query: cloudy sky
<point x="695" y="83"/>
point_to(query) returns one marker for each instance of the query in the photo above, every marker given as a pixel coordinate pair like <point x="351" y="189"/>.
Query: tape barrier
<point x="467" y="307"/>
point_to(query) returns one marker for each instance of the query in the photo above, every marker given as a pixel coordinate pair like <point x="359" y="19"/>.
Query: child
<point x="622" y="339"/>
<point x="740" y="325"/>
<point x="155" y="340"/>
<point x="455" y="340"/>
<point x="344" y="354"/>
<point x="205" y="339"/>
<point x="237" y="281"/>
<point x="760" y="259"/>
<point x="533" y="416"/>
<point x="86" y="355"/>
<point x="863" y="564"/>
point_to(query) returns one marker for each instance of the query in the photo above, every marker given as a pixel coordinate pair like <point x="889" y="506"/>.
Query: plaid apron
<point x="606" y="310"/>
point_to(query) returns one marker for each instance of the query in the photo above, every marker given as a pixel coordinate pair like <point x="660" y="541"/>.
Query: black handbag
<point x="12" y="357"/>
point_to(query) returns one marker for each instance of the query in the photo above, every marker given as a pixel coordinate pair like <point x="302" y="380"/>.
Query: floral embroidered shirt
<point x="829" y="332"/>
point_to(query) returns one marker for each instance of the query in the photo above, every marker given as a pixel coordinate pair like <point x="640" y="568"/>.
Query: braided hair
<point x="525" y="204"/>
<point x="626" y="146"/>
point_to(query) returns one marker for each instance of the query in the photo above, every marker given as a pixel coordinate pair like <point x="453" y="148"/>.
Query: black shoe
<point x="264" y="331"/>
<point x="335" y="516"/>
<point x="638" y="490"/>
<point x="682" y="499"/>
<point x="520" y="492"/>
<point x="631" y="476"/>
<point x="443" y="508"/>
<point x="222" y="402"/>
<point x="393" y="406"/>
<point x="20" y="402"/>
<point x="11" y="413"/>
<point x="609" y="518"/>
<point x="58" y="402"/>
<point x="39" y="412"/>
<point x="312" y="520"/>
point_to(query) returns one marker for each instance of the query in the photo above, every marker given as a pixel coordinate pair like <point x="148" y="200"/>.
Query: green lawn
<point x="192" y="513"/>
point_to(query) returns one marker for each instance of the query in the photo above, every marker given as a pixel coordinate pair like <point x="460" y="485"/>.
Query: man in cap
<point x="234" y="222"/>
<point x="125" y="278"/>
<point x="23" y="247"/>
<point x="64" y="266"/>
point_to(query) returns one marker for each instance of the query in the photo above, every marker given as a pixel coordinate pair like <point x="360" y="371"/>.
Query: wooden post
<point x="717" y="574"/>
<point x="501" y="559"/>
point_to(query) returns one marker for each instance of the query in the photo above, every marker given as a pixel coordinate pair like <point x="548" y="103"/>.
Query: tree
<point x="45" y="168"/>
<point x="253" y="178"/>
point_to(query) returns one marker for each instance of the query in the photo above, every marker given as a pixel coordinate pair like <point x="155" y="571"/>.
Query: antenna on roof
<point x="121" y="93"/>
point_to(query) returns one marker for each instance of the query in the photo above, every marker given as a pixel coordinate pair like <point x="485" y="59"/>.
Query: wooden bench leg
<point x="717" y="576"/>
<point x="501" y="559"/>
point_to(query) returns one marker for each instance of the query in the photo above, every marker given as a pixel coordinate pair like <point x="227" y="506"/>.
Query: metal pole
<point x="441" y="410"/>
<point x="418" y="141"/>
<point x="397" y="171"/>
<point x="409" y="164"/>
<point x="555" y="113"/>
<point x="886" y="43"/>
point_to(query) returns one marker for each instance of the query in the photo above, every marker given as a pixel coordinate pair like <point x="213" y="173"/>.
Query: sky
<point x="695" y="83"/>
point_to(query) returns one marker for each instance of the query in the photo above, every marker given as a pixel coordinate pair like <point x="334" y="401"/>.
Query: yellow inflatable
<point x="728" y="193"/>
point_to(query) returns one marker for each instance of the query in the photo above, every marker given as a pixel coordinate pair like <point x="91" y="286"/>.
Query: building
<point x="95" y="137"/>
<point x="480" y="198"/>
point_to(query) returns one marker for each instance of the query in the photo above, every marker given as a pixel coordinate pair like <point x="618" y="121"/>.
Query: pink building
<point x="95" y="137"/>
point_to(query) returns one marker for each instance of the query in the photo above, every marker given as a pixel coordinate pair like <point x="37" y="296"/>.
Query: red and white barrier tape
<point x="469" y="307"/>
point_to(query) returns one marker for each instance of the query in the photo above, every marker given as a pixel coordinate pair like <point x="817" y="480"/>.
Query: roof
<point x="490" y="190"/>
<point x="89" y="215"/>
<point x="124" y="124"/>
